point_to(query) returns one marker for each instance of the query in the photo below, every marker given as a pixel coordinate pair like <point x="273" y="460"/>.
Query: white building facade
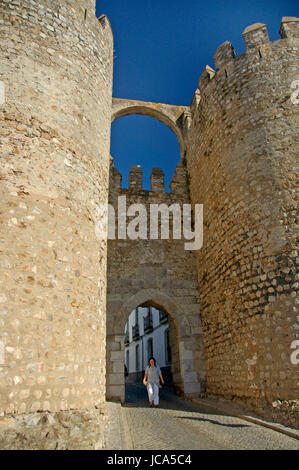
<point x="146" y="335"/>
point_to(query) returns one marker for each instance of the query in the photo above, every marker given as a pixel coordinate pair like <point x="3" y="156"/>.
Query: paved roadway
<point x="181" y="425"/>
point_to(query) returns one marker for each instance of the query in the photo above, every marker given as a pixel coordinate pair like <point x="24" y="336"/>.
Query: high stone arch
<point x="154" y="272"/>
<point x="171" y="115"/>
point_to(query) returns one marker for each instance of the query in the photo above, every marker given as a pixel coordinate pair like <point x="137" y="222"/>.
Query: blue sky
<point x="161" y="48"/>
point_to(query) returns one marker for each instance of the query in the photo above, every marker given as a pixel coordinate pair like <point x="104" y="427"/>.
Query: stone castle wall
<point x="158" y="272"/>
<point x="232" y="304"/>
<point x="241" y="150"/>
<point x="56" y="67"/>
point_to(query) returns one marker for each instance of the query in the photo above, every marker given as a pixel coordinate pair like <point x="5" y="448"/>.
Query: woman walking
<point x="151" y="381"/>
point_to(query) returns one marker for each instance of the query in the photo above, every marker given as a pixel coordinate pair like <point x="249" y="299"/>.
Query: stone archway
<point x="171" y="115"/>
<point x="157" y="272"/>
<point x="185" y="377"/>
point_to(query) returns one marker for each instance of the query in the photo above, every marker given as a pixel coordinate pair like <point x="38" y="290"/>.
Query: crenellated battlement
<point x="105" y="23"/>
<point x="224" y="54"/>
<point x="255" y="35"/>
<point x="257" y="44"/>
<point x="178" y="184"/>
<point x="289" y="27"/>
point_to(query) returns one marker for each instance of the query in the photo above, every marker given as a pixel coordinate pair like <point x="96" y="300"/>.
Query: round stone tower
<point x="241" y="156"/>
<point x="55" y="107"/>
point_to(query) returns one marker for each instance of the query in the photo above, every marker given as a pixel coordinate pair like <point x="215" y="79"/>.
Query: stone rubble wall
<point x="64" y="430"/>
<point x="56" y="67"/>
<point x="242" y="157"/>
<point x="153" y="271"/>
<point x="233" y="305"/>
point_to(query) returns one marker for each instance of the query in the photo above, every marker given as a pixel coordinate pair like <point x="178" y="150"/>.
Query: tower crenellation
<point x="224" y="54"/>
<point x="178" y="184"/>
<point x="255" y="35"/>
<point x="157" y="180"/>
<point x="135" y="178"/>
<point x="257" y="44"/>
<point x="289" y="27"/>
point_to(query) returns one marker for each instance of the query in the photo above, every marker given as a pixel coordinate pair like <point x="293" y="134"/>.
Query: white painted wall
<point x="157" y="336"/>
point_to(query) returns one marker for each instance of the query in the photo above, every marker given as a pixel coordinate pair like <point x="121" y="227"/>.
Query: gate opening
<point x="149" y="332"/>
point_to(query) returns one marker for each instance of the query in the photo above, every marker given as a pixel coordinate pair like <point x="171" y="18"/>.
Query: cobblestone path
<point x="178" y="424"/>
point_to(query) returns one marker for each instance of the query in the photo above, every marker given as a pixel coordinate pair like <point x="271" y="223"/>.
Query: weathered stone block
<point x="224" y="54"/>
<point x="289" y="27"/>
<point x="190" y="387"/>
<point x="115" y="379"/>
<point x="255" y="35"/>
<point x="190" y="377"/>
<point x="206" y="76"/>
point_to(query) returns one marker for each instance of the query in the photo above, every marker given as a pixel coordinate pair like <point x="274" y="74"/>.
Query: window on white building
<point x="128" y="360"/>
<point x="150" y="351"/>
<point x="167" y="347"/>
<point x="137" y="357"/>
<point x="163" y="317"/>
<point x="127" y="337"/>
<point x="148" y="321"/>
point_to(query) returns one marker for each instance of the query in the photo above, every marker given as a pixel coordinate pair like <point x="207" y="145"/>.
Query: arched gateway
<point x="159" y="273"/>
<point x="183" y="344"/>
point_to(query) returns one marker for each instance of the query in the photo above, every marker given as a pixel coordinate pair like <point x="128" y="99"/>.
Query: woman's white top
<point x="153" y="374"/>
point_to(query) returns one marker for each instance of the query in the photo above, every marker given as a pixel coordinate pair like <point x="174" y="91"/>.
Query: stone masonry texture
<point x="153" y="272"/>
<point x="56" y="66"/>
<point x="241" y="153"/>
<point x="233" y="304"/>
